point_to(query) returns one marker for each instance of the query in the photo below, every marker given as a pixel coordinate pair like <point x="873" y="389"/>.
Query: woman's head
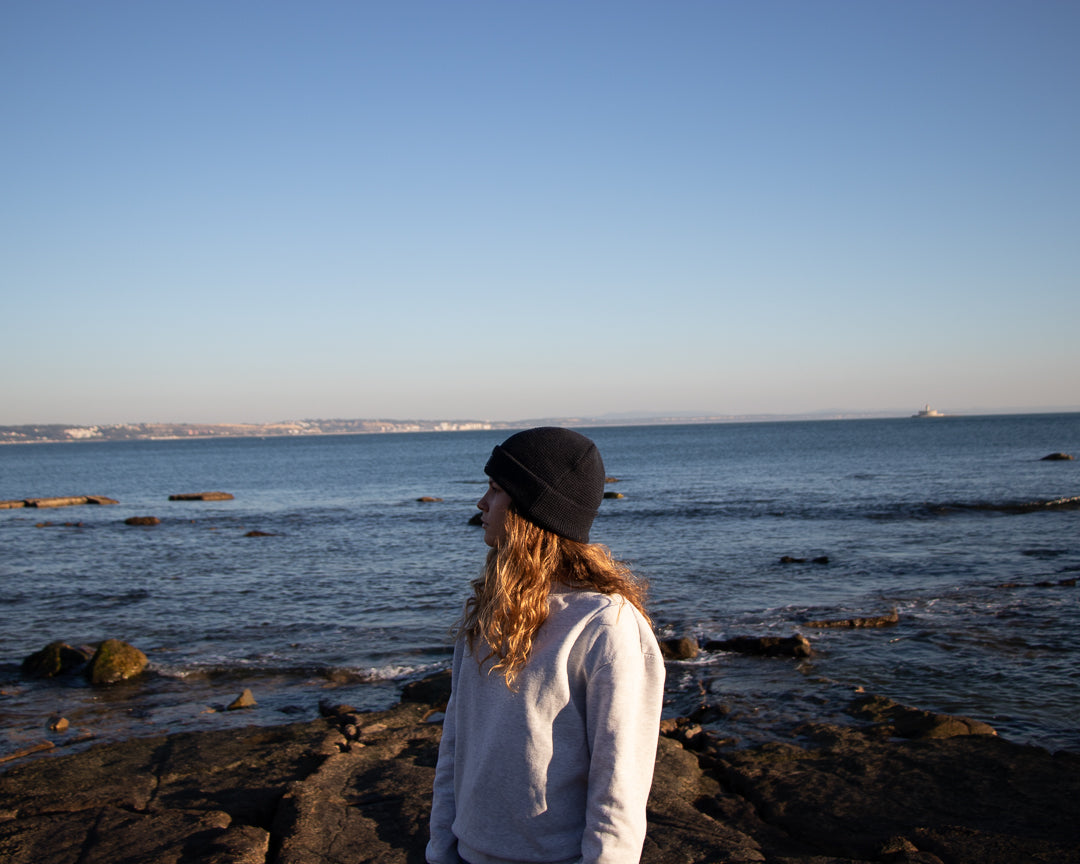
<point x="554" y="478"/>
<point x="546" y="487"/>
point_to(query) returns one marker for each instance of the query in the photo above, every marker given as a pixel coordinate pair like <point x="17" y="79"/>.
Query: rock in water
<point x="56" y="658"/>
<point x="115" y="661"/>
<point x="764" y="646"/>
<point x="432" y="690"/>
<point x="683" y="648"/>
<point x="244" y="700"/>
<point x="889" y="619"/>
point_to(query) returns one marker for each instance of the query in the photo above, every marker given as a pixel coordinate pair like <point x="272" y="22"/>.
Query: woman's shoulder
<point x="585" y="600"/>
<point x="610" y="610"/>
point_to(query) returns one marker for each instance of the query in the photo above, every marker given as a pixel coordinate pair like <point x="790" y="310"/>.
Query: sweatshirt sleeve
<point x="442" y="846"/>
<point x="624" y="699"/>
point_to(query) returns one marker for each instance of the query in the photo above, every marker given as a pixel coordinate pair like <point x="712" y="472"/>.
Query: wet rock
<point x="958" y="799"/>
<point x="692" y="818"/>
<point x="11" y="505"/>
<point x="59" y="724"/>
<point x="58" y="501"/>
<point x="142" y="520"/>
<point x="21" y="753"/>
<point x="476" y="519"/>
<point x="56" y="658"/>
<point x="433" y="690"/>
<point x="244" y="700"/>
<point x="334" y="709"/>
<point x="115" y="661"/>
<point x="429" y="499"/>
<point x="906" y="722"/>
<point x="202" y="496"/>
<point x="614" y="495"/>
<point x="684" y="648"/>
<point x="709" y="713"/>
<point x="788" y="559"/>
<point x="259" y="534"/>
<point x="764" y="646"/>
<point x="889" y="619"/>
<point x="68" y="501"/>
<point x="842" y="795"/>
<point x="1056" y="457"/>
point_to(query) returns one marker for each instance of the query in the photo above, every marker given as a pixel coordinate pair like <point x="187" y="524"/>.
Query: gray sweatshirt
<point x="558" y="769"/>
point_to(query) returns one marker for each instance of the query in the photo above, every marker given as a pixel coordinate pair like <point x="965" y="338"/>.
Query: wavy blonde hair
<point x="510" y="597"/>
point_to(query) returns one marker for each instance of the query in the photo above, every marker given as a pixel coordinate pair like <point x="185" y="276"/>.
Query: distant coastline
<point x="46" y="433"/>
<point x="52" y="433"/>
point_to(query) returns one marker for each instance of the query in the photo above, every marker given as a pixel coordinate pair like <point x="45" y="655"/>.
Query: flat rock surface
<point x="356" y="788"/>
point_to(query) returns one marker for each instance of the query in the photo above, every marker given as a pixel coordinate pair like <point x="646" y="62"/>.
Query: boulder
<point x="142" y="520"/>
<point x="614" y="495"/>
<point x="244" y="700"/>
<point x="201" y="496"/>
<point x="764" y="646"/>
<point x="432" y="690"/>
<point x="1056" y="457"/>
<point x="115" y="661"/>
<point x="56" y="658"/>
<point x="428" y="499"/>
<point x="683" y="648"/>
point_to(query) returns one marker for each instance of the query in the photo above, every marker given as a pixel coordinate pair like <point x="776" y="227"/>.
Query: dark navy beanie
<point x="554" y="476"/>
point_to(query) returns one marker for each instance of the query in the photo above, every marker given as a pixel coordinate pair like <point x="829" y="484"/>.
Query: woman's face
<point x="493" y="507"/>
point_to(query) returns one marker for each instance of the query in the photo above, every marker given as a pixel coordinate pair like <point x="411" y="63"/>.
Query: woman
<point x="550" y="733"/>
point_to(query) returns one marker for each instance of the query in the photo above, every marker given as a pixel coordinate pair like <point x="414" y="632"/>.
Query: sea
<point x="326" y="579"/>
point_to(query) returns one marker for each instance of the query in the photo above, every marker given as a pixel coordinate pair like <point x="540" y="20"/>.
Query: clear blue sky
<point x="254" y="211"/>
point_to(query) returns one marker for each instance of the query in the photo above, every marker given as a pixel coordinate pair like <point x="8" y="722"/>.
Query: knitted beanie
<point x="554" y="476"/>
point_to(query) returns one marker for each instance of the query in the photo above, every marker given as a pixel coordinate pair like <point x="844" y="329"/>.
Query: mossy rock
<point x="115" y="661"/>
<point x="56" y="658"/>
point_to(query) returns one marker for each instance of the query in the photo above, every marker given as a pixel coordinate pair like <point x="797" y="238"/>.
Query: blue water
<point x="356" y="588"/>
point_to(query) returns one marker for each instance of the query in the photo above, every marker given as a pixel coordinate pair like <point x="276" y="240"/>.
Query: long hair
<point x="510" y="597"/>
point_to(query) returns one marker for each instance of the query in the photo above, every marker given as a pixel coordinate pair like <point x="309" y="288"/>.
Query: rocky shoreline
<point x="898" y="785"/>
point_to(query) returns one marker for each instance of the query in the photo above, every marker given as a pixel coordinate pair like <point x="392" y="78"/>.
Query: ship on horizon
<point x="928" y="412"/>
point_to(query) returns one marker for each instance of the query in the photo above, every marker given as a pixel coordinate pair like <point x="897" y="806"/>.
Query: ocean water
<point x="954" y="522"/>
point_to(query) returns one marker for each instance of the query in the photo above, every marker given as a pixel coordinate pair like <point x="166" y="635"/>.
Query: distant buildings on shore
<point x="44" y="433"/>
